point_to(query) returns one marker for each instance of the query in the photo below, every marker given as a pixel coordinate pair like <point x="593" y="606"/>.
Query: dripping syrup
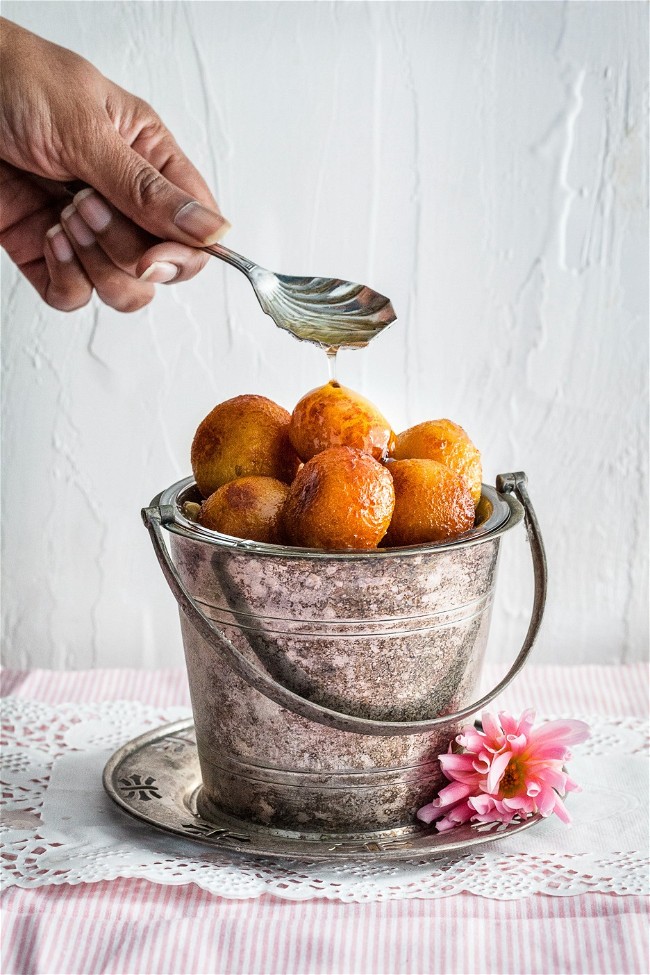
<point x="331" y="364"/>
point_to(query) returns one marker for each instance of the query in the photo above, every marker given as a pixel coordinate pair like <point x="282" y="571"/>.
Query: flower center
<point x="512" y="780"/>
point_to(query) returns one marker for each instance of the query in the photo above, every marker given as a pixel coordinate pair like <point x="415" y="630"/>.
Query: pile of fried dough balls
<point x="332" y="474"/>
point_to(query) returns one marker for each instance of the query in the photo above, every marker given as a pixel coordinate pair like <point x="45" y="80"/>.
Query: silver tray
<point x="156" y="778"/>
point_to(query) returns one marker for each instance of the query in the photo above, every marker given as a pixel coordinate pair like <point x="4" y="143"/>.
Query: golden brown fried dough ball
<point x="342" y="498"/>
<point x="447" y="443"/>
<point x="334" y="416"/>
<point x="249" y="507"/>
<point x="432" y="503"/>
<point x="247" y="435"/>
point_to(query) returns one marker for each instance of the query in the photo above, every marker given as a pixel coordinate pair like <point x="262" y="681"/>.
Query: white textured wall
<point x="481" y="163"/>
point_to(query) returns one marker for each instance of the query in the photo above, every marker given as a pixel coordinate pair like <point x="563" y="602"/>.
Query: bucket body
<point x="392" y="635"/>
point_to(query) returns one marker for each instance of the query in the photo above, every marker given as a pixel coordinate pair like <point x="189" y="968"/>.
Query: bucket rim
<point x="505" y="511"/>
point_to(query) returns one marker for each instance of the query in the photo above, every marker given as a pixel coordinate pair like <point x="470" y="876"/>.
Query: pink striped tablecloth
<point x="133" y="926"/>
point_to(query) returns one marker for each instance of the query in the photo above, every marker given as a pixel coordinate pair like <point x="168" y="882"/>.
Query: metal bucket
<point x="324" y="684"/>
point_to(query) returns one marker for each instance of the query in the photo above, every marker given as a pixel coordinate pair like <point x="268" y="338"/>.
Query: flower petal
<point x="571" y="786"/>
<point x="519" y="804"/>
<point x="482" y="804"/>
<point x="517" y="743"/>
<point x="459" y="814"/>
<point x="472" y="740"/>
<point x="491" y="726"/>
<point x="561" y="811"/>
<point x="452" y="793"/>
<point x="546" y="801"/>
<point x="548" y="751"/>
<point x="453" y="762"/>
<point x="567" y="731"/>
<point x="496" y="816"/>
<point x="514" y="726"/>
<point x="497" y="769"/>
<point x="553" y="777"/>
<point x="428" y="813"/>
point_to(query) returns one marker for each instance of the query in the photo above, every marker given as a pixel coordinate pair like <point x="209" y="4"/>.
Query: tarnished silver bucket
<point x="324" y="684"/>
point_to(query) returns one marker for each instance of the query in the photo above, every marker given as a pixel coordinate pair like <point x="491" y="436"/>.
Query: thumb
<point x="143" y="194"/>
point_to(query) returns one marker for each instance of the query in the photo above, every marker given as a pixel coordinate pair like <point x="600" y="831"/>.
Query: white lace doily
<point x="59" y="827"/>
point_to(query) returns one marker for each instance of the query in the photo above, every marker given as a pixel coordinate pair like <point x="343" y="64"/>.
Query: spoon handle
<point x="231" y="257"/>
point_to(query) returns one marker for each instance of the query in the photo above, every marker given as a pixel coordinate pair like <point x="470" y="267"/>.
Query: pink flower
<point x="506" y="770"/>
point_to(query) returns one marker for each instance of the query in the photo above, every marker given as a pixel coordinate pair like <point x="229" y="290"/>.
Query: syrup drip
<point x="331" y="362"/>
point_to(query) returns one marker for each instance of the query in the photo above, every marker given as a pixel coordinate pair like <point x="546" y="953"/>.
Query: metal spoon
<point x="327" y="311"/>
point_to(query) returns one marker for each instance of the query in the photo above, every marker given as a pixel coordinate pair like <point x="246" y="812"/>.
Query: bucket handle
<point x="156" y="515"/>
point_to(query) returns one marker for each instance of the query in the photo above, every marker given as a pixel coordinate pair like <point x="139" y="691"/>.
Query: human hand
<point x="146" y="210"/>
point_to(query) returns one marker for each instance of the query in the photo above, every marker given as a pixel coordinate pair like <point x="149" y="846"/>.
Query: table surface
<point x="129" y="925"/>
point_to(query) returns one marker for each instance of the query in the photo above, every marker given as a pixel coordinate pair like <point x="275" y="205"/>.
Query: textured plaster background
<point x="484" y="164"/>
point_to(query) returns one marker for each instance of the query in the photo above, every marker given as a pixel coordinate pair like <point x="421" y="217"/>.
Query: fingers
<point x="133" y="249"/>
<point x="140" y="191"/>
<point x="113" y="285"/>
<point x="66" y="257"/>
<point x="45" y="257"/>
<point x="120" y="238"/>
<point x="158" y="263"/>
<point x="96" y="248"/>
<point x="66" y="287"/>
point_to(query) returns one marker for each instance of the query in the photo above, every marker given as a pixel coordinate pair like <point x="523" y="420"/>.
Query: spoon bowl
<point x="329" y="312"/>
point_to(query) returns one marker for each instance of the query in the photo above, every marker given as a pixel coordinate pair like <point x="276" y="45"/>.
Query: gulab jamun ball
<point x="432" y="503"/>
<point x="341" y="499"/>
<point x="335" y="416"/>
<point x="246" y="435"/>
<point x="248" y="507"/>
<point x="446" y="442"/>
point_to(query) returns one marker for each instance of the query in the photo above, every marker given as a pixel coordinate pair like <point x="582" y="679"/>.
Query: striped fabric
<point x="619" y="690"/>
<point x="132" y="926"/>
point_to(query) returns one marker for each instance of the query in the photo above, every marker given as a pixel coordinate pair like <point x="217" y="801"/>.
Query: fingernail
<point x="206" y="226"/>
<point x="94" y="211"/>
<point x="160" y="272"/>
<point x="60" y="244"/>
<point x="77" y="227"/>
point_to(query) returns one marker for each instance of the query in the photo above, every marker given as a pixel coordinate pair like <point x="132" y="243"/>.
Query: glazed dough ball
<point x="432" y="503"/>
<point x="447" y="443"/>
<point x="341" y="499"/>
<point x="334" y="416"/>
<point x="249" y="507"/>
<point x="247" y="435"/>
